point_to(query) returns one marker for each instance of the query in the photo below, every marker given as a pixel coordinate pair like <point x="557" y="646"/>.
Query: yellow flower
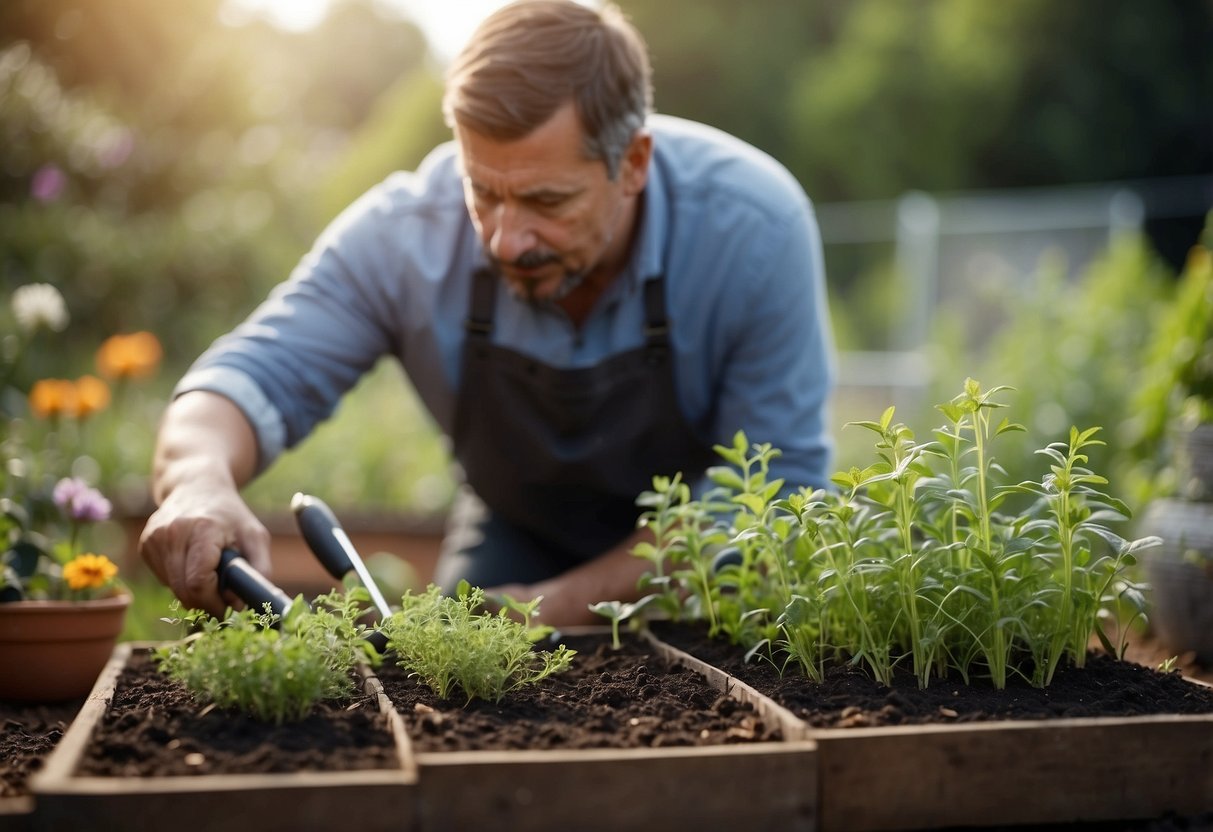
<point x="129" y="356"/>
<point x="92" y="394"/>
<point x="89" y="571"/>
<point x="53" y="397"/>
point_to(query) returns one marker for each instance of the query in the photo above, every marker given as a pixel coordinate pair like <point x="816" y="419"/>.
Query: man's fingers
<point x="198" y="579"/>
<point x="255" y="547"/>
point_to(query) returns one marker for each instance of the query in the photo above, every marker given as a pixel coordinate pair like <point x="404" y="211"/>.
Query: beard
<point x="527" y="289"/>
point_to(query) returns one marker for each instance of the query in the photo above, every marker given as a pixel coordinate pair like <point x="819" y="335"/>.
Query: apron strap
<point x="656" y="324"/>
<point x="479" y="321"/>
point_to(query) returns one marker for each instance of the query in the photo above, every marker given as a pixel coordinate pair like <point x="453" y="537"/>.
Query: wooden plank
<point x="792" y="726"/>
<point x="301" y="800"/>
<point x="714" y="788"/>
<point x="1000" y="773"/>
<point x="1004" y="773"/>
<point x="705" y="788"/>
<point x="16" y="814"/>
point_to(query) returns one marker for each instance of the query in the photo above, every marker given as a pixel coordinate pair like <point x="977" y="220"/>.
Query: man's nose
<point x="512" y="234"/>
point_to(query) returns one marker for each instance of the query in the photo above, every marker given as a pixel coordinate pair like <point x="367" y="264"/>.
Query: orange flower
<point x="53" y="397"/>
<point x="129" y="356"/>
<point x="92" y="394"/>
<point x="89" y="571"/>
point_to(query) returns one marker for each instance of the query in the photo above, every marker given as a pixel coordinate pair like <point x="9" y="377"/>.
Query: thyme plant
<point x="273" y="669"/>
<point x="451" y="645"/>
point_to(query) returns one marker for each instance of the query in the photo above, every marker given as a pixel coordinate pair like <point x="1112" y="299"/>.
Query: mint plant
<point x="273" y="669"/>
<point x="449" y="644"/>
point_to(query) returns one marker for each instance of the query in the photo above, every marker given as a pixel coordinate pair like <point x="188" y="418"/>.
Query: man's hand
<point x="561" y="605"/>
<point x="612" y="576"/>
<point x="205" y="452"/>
<point x="183" y="538"/>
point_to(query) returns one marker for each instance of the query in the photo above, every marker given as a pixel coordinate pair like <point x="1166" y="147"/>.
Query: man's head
<point x="548" y="102"/>
<point x="531" y="57"/>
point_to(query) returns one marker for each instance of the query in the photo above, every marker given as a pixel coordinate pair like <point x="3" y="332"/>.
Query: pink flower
<point x="80" y="502"/>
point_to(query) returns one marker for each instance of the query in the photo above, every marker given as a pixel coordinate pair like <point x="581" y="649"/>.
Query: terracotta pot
<point x="52" y="651"/>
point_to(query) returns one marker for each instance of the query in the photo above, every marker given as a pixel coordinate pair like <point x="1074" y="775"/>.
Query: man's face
<point x="548" y="216"/>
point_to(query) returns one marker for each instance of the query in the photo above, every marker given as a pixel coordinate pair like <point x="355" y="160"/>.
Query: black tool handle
<point x="253" y="588"/>
<point x="238" y="576"/>
<point x="317" y="523"/>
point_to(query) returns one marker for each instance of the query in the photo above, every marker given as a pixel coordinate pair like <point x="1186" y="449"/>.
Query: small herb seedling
<point x="526" y="610"/>
<point x="617" y="612"/>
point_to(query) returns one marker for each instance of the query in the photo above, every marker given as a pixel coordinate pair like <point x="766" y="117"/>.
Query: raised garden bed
<point x="142" y="754"/>
<point x="1113" y="741"/>
<point x="28" y="734"/>
<point x="632" y="736"/>
<point x="620" y="739"/>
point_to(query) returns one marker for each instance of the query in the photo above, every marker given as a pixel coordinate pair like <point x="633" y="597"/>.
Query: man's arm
<point x="205" y="451"/>
<point x="612" y="576"/>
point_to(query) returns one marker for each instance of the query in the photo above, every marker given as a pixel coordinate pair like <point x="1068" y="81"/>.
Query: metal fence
<point x="945" y="248"/>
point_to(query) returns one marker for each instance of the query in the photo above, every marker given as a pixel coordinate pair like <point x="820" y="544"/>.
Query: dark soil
<point x="28" y="733"/>
<point x="623" y="699"/>
<point x="627" y="698"/>
<point x="849" y="697"/>
<point x="154" y="727"/>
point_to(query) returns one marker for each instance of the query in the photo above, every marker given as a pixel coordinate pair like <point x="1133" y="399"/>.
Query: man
<point x="583" y="295"/>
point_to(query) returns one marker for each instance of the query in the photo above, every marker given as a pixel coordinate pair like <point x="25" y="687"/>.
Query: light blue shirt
<point x="729" y="228"/>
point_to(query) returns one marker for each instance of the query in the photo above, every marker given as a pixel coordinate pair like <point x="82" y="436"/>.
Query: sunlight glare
<point x="447" y="23"/>
<point x="295" y="15"/>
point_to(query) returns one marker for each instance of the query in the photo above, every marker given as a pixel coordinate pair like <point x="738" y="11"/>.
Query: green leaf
<point x="726" y="477"/>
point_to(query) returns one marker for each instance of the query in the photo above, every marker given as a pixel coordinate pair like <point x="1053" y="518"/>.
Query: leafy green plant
<point x="271" y="668"/>
<point x="1176" y="389"/>
<point x="913" y="561"/>
<point x="617" y="612"/>
<point x="451" y="645"/>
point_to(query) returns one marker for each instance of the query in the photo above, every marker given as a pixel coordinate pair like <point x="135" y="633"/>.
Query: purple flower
<point x="49" y="183"/>
<point x="80" y="502"/>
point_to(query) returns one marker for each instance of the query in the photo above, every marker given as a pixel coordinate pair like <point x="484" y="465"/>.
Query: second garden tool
<point x="332" y="545"/>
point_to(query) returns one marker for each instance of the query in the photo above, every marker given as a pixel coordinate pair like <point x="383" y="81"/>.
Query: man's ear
<point x="634" y="167"/>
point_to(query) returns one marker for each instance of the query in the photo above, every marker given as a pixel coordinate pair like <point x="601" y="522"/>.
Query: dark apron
<point x="564" y="453"/>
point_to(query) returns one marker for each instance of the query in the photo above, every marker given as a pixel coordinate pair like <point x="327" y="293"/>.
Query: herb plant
<point x="273" y="669"/>
<point x="450" y="644"/>
<point x="617" y="612"/>
<point x="911" y="562"/>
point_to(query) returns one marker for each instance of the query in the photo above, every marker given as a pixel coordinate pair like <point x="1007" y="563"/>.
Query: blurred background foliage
<point x="164" y="166"/>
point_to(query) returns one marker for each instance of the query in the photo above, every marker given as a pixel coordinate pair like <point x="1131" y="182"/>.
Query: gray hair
<point x="529" y="58"/>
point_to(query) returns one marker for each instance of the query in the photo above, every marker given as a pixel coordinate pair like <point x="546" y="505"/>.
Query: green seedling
<point x="526" y="610"/>
<point x="618" y="612"/>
